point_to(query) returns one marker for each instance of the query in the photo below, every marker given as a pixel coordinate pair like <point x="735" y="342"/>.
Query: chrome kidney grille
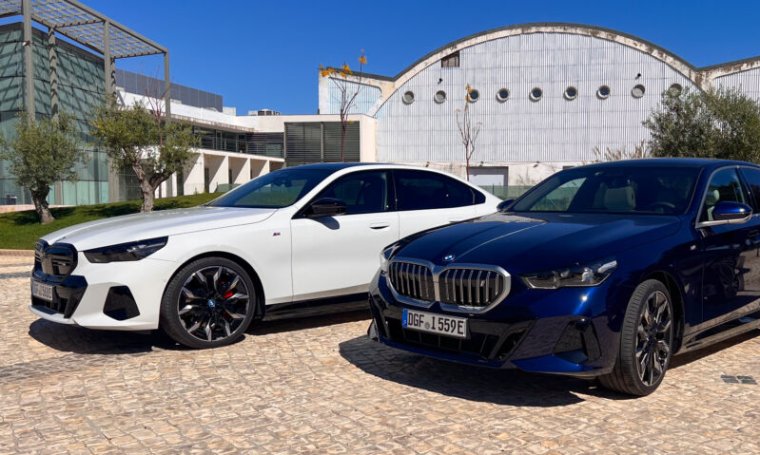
<point x="412" y="280"/>
<point x="470" y="288"/>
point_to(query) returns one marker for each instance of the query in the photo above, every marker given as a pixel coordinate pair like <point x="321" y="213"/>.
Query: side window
<point x="724" y="186"/>
<point x="420" y="190"/>
<point x="362" y="192"/>
<point x="752" y="176"/>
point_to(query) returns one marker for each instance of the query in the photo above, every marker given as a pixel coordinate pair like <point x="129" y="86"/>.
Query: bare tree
<point x="348" y="91"/>
<point x="467" y="131"/>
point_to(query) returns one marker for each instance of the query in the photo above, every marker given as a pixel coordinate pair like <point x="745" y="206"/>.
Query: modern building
<point x="543" y="97"/>
<point x="70" y="52"/>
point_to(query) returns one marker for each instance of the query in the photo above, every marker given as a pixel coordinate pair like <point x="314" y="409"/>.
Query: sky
<point x="265" y="54"/>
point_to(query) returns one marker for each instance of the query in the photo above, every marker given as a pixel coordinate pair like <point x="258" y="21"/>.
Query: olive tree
<point x="721" y="123"/>
<point x="43" y="151"/>
<point x="142" y="140"/>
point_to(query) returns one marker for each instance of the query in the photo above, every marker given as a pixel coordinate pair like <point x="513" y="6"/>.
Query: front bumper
<point x="113" y="296"/>
<point x="531" y="334"/>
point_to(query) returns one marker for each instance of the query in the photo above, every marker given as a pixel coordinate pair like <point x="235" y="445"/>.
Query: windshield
<point x="275" y="190"/>
<point x="618" y="189"/>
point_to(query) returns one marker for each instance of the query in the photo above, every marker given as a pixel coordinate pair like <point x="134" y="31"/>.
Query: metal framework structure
<point x="87" y="27"/>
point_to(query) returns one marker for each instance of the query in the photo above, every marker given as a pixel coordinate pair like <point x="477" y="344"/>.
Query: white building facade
<point x="545" y="97"/>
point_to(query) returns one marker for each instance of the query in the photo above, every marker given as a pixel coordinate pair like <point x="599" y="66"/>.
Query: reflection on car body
<point x="608" y="271"/>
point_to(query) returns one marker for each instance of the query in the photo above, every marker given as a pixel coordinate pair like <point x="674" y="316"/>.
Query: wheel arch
<point x="259" y="287"/>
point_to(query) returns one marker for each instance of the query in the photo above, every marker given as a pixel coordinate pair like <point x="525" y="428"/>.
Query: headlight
<point x="132" y="251"/>
<point x="579" y="276"/>
<point x="386" y="255"/>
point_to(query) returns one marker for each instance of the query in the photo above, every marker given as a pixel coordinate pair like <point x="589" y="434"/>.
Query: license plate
<point x="434" y="323"/>
<point x="42" y="291"/>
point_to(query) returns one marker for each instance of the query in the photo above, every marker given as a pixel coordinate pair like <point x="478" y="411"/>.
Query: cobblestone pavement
<point x="319" y="386"/>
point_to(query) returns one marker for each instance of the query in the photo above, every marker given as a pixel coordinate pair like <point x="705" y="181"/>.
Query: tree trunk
<point x="41" y="206"/>
<point x="146" y="189"/>
<point x="148" y="196"/>
<point x="343" y="128"/>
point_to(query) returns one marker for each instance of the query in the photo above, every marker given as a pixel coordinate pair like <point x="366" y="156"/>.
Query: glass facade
<point x="150" y="86"/>
<point x="80" y="91"/>
<point x="265" y="144"/>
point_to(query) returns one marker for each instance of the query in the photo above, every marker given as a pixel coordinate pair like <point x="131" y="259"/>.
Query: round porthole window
<point x="536" y="94"/>
<point x="638" y="91"/>
<point x="502" y="95"/>
<point x="440" y="96"/>
<point x="571" y="93"/>
<point x="604" y="92"/>
<point x="473" y="95"/>
<point x="408" y="97"/>
<point x="675" y="89"/>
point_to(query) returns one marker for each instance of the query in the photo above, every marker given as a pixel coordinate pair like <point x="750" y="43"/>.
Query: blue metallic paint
<point x="669" y="248"/>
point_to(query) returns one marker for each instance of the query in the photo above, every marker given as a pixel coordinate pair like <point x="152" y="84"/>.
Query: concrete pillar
<point x="167" y="87"/>
<point x="193" y="183"/>
<point x="258" y="167"/>
<point x="53" y="65"/>
<point x="26" y="9"/>
<point x="240" y="169"/>
<point x="108" y="61"/>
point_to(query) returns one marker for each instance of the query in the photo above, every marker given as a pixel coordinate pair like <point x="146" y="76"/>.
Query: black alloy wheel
<point x="646" y="341"/>
<point x="208" y="303"/>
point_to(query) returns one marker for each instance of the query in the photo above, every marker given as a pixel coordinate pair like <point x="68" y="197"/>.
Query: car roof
<point x="706" y="163"/>
<point x="331" y="166"/>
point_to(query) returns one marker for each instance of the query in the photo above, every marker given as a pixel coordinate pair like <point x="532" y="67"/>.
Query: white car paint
<point x="294" y="258"/>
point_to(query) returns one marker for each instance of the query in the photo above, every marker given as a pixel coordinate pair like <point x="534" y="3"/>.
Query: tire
<point x="208" y="303"/>
<point x="646" y="341"/>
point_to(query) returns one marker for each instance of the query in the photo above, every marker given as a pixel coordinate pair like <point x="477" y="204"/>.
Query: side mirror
<point x="326" y="206"/>
<point x="730" y="212"/>
<point x="504" y="205"/>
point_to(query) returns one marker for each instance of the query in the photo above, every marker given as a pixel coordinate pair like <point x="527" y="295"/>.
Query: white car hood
<point x="143" y="226"/>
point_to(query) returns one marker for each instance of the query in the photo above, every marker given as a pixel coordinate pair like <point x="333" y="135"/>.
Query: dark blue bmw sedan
<point x="605" y="270"/>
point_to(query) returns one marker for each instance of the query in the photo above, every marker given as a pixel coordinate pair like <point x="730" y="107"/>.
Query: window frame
<point x="742" y="182"/>
<point x="389" y="193"/>
<point x="477" y="196"/>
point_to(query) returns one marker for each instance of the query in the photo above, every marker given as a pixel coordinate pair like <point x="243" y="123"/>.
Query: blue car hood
<point x="537" y="243"/>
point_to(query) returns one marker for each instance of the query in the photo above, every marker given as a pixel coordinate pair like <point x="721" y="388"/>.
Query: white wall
<point x="553" y="131"/>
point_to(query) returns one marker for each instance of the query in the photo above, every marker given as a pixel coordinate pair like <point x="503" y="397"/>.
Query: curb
<point x="17" y="253"/>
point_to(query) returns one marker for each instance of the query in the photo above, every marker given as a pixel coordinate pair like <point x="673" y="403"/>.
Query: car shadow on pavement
<point x="78" y="340"/>
<point x="507" y="387"/>
<point x="689" y="357"/>
<point x="304" y="320"/>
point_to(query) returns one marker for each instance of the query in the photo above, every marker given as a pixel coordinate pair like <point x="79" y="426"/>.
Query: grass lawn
<point x="20" y="230"/>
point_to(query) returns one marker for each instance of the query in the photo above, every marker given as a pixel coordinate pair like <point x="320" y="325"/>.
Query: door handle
<point x="456" y="220"/>
<point x="380" y="225"/>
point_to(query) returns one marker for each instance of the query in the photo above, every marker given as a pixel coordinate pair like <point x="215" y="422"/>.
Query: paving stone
<point x="318" y="386"/>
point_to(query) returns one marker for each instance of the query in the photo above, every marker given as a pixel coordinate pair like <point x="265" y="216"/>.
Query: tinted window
<point x="752" y="176"/>
<point x="274" y="190"/>
<point x="420" y="190"/>
<point x="613" y="189"/>
<point x="362" y="192"/>
<point x="724" y="186"/>
<point x="558" y="199"/>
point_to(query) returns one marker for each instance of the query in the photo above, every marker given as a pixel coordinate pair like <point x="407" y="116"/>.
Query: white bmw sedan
<point x="309" y="234"/>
